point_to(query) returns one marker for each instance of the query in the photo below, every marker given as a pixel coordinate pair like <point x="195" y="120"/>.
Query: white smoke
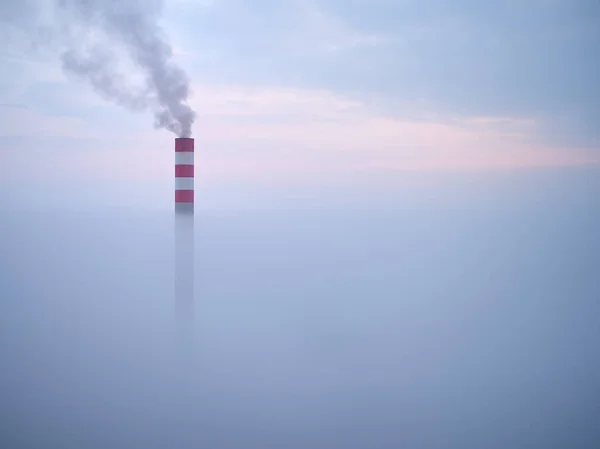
<point x="100" y="34"/>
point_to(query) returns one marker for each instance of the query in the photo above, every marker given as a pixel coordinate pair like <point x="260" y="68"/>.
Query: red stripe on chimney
<point x="184" y="171"/>
<point x="184" y="196"/>
<point x="184" y="144"/>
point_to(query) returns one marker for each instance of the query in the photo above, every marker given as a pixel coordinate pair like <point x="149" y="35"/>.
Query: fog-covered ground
<point x="463" y="314"/>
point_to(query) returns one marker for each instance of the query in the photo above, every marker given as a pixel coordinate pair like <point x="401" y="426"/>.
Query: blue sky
<point x="306" y="88"/>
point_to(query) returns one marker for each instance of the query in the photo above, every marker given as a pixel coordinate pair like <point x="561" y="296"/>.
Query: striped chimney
<point x="184" y="174"/>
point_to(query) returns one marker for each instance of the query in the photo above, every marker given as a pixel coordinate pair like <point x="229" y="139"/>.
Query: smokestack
<point x="184" y="235"/>
<point x="184" y="175"/>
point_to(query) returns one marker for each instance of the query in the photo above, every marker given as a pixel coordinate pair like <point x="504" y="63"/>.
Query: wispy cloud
<point x="320" y="131"/>
<point x="509" y="59"/>
<point x="319" y="32"/>
<point x="328" y="86"/>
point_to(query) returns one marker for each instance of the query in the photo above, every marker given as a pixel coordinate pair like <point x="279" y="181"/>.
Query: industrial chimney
<point x="184" y="234"/>
<point x="184" y="175"/>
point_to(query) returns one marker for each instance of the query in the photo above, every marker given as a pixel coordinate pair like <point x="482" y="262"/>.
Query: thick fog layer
<point x="470" y="325"/>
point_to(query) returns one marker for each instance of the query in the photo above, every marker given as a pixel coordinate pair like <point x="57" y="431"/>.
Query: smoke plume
<point x="110" y="42"/>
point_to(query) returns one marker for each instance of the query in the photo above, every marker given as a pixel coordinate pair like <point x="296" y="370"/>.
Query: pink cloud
<point x="283" y="133"/>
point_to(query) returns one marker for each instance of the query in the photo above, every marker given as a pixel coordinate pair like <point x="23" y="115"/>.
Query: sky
<point x="302" y="90"/>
